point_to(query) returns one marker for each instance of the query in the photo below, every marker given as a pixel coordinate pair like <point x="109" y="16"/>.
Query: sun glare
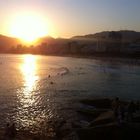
<point x="28" y="28"/>
<point x="28" y="69"/>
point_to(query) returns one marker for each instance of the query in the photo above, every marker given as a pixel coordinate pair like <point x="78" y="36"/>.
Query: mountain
<point x="127" y="35"/>
<point x="50" y="40"/>
<point x="7" y="42"/>
<point x="46" y="39"/>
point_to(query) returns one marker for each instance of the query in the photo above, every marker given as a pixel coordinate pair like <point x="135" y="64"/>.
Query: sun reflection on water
<point x="35" y="103"/>
<point x="28" y="69"/>
<point x="26" y="95"/>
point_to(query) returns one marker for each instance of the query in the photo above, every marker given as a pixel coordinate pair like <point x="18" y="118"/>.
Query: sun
<point x="28" y="27"/>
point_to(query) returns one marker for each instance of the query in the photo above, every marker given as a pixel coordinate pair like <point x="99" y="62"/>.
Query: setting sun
<point x="28" y="28"/>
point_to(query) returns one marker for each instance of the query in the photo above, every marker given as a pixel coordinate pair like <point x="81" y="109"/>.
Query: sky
<point x="67" y="18"/>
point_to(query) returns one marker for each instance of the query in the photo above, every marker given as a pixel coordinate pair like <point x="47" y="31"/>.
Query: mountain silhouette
<point x="7" y="42"/>
<point x="127" y="35"/>
<point x="10" y="43"/>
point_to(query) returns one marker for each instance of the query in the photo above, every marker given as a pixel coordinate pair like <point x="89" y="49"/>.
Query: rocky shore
<point x="101" y="123"/>
<point x="96" y="120"/>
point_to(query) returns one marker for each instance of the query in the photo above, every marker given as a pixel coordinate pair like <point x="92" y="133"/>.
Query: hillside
<point x="7" y="42"/>
<point x="108" y="43"/>
<point x="127" y="35"/>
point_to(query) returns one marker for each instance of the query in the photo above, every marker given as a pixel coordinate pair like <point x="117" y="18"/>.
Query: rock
<point x="98" y="103"/>
<point x="103" y="132"/>
<point x="104" y="118"/>
<point x="81" y="124"/>
<point x="90" y="113"/>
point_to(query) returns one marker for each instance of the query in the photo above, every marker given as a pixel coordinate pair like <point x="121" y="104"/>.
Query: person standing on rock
<point x="115" y="106"/>
<point x="137" y="106"/>
<point x="131" y="110"/>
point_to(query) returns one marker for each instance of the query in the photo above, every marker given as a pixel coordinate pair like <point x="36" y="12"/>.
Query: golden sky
<point x="30" y="19"/>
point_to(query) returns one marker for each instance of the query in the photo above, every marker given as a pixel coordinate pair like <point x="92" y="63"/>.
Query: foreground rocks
<point x="102" y="123"/>
<point x="96" y="120"/>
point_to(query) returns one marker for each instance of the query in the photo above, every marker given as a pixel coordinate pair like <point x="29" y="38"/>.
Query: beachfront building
<point x="112" y="42"/>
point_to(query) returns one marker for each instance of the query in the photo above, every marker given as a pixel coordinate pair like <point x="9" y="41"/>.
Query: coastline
<point x="109" y="58"/>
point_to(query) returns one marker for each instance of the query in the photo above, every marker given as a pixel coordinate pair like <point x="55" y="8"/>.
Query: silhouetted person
<point x="131" y="110"/>
<point x="121" y="114"/>
<point x="137" y="106"/>
<point x="122" y="111"/>
<point x="115" y="106"/>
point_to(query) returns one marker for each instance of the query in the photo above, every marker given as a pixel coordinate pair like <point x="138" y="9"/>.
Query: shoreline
<point x="109" y="58"/>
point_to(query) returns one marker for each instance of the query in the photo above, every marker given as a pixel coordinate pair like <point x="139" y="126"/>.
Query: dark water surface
<point x="37" y="89"/>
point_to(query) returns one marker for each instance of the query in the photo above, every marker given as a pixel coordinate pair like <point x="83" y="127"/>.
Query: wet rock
<point x="98" y="103"/>
<point x="104" y="118"/>
<point x="103" y="132"/>
<point x="90" y="114"/>
<point x="104" y="125"/>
